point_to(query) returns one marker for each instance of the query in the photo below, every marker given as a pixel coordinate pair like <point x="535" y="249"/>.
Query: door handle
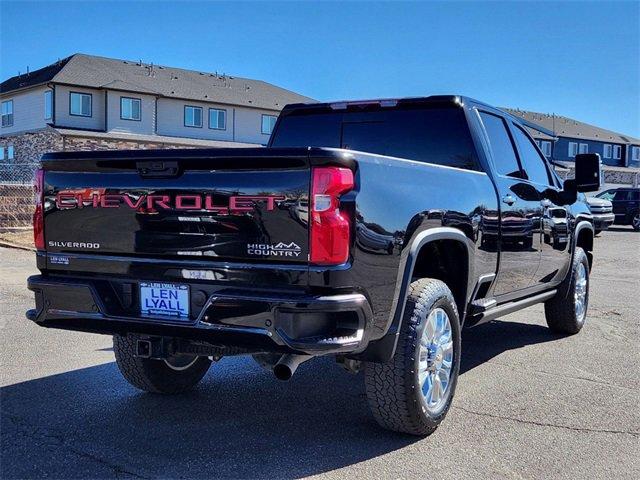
<point x="508" y="199"/>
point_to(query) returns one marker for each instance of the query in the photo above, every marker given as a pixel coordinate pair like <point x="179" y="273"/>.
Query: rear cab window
<point x="439" y="135"/>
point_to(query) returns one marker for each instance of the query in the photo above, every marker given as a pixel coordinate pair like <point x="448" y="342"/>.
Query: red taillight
<point x="38" y="215"/>
<point x="329" y="225"/>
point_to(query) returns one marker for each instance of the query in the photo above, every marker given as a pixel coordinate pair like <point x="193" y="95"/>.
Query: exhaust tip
<point x="287" y="365"/>
<point x="282" y="372"/>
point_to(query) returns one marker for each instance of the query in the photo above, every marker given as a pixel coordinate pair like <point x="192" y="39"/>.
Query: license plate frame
<point x="166" y="300"/>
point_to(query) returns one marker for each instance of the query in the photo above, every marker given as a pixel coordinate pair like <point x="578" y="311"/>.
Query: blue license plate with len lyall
<point x="165" y="299"/>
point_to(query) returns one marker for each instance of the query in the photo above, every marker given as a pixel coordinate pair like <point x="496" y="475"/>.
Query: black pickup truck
<point x="372" y="231"/>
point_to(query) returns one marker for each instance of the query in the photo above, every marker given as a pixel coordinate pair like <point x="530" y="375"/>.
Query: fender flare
<point x="382" y="350"/>
<point x="581" y="225"/>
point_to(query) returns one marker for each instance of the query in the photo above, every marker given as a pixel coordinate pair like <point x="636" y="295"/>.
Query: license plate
<point x="167" y="299"/>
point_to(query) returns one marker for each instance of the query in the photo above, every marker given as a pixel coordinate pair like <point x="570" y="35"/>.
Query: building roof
<point x="135" y="76"/>
<point x="568" y="127"/>
<point x="37" y="77"/>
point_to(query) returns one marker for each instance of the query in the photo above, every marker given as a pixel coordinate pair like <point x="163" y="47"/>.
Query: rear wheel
<point x="174" y="374"/>
<point x="412" y="392"/>
<point x="567" y="311"/>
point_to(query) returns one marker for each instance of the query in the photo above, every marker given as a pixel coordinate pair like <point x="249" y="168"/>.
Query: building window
<point x="80" y="104"/>
<point x="268" y="122"/>
<point x="7" y="113"/>
<point x="192" y="116"/>
<point x="573" y="149"/>
<point x="130" y="108"/>
<point x="607" y="150"/>
<point x="635" y="154"/>
<point x="584" y="148"/>
<point x="9" y="150"/>
<point x="48" y="105"/>
<point x="546" y="148"/>
<point x="217" y="119"/>
<point x="617" y="152"/>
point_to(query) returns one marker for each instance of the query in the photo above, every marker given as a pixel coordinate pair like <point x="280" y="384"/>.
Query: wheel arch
<point x="443" y="253"/>
<point x="583" y="238"/>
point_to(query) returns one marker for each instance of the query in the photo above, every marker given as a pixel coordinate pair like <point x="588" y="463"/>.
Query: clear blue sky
<point x="577" y="59"/>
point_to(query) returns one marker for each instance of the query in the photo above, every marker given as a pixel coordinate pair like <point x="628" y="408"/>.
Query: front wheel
<point x="412" y="392"/>
<point x="175" y="374"/>
<point x="567" y="311"/>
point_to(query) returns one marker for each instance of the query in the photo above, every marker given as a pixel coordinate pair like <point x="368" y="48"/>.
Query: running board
<point x="510" y="307"/>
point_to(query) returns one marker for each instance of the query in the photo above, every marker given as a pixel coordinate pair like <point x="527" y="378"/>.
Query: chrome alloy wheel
<point x="636" y="221"/>
<point x="435" y="360"/>
<point x="580" y="292"/>
<point x="180" y="361"/>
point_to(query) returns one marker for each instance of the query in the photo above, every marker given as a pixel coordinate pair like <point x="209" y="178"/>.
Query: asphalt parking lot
<point x="529" y="404"/>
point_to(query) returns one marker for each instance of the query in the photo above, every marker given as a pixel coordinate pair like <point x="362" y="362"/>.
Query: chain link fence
<point x="16" y="195"/>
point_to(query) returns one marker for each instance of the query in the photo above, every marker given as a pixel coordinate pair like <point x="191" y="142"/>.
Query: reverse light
<point x="329" y="226"/>
<point x="38" y="214"/>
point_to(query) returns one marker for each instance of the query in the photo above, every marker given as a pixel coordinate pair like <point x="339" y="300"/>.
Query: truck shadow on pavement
<point x="239" y="423"/>
<point x="484" y="342"/>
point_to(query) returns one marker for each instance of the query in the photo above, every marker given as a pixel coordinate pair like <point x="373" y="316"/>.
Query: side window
<point x="531" y="160"/>
<point x="80" y="104"/>
<point x="573" y="149"/>
<point x="617" y="151"/>
<point x="130" y="108"/>
<point x="504" y="156"/>
<point x="48" y="104"/>
<point x="268" y="122"/>
<point x="7" y="113"/>
<point x="621" y="195"/>
<point x="192" y="116"/>
<point x="607" y="195"/>
<point x="546" y="148"/>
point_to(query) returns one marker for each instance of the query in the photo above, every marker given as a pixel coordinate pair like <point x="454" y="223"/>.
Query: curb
<point x="4" y="243"/>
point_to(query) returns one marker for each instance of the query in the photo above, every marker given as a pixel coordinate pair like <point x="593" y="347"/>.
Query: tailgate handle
<point x="157" y="169"/>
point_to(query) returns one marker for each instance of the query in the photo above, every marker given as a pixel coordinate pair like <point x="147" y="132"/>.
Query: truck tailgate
<point x="248" y="205"/>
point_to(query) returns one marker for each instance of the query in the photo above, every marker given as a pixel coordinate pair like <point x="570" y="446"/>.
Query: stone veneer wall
<point x="74" y="143"/>
<point x="627" y="177"/>
<point x="16" y="206"/>
<point x="29" y="146"/>
<point x="16" y="191"/>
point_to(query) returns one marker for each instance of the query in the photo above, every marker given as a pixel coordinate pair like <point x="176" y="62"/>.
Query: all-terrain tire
<point x="156" y="376"/>
<point x="393" y="388"/>
<point x="561" y="312"/>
